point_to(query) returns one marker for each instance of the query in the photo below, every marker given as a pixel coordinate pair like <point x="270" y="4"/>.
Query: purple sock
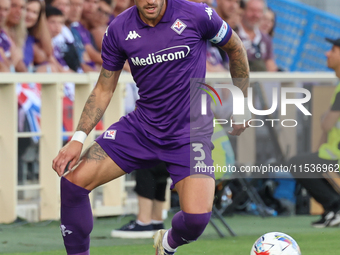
<point x="186" y="228"/>
<point x="76" y="218"/>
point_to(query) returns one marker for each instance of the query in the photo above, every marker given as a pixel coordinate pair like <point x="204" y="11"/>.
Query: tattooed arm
<point x="239" y="70"/>
<point x="93" y="111"/>
<point x="238" y="61"/>
<point x="98" y="101"/>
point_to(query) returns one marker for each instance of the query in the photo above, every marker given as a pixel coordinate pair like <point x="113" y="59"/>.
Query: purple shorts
<point x="131" y="148"/>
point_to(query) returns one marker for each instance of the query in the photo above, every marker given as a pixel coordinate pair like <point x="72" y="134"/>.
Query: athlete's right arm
<point x="93" y="111"/>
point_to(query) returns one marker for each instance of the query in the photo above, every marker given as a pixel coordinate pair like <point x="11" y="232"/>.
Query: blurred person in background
<point x="268" y="22"/>
<point x="55" y="22"/>
<point x="90" y="8"/>
<point x="64" y="7"/>
<point x="77" y="27"/>
<point x="120" y="6"/>
<point x="65" y="40"/>
<point x="81" y="35"/>
<point x="328" y="154"/>
<point x="5" y="44"/>
<point x="16" y="30"/>
<point x="267" y="26"/>
<point x="227" y="9"/>
<point x="235" y="19"/>
<point x="39" y="47"/>
<point x="100" y="21"/>
<point x="32" y="12"/>
<point x="259" y="46"/>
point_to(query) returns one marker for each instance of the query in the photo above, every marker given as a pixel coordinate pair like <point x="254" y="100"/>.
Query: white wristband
<point x="244" y="117"/>
<point x="79" y="136"/>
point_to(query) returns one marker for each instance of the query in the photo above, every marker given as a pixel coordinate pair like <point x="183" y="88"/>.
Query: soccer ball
<point x="275" y="243"/>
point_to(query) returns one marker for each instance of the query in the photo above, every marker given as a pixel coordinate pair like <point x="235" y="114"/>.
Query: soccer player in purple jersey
<point x="165" y="44"/>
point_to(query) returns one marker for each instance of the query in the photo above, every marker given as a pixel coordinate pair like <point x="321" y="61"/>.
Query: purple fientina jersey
<point x="84" y="33"/>
<point x="5" y="43"/>
<point x="163" y="59"/>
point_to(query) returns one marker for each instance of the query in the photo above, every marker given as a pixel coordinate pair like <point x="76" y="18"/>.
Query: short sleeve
<point x="211" y="26"/>
<point x="113" y="57"/>
<point x="336" y="104"/>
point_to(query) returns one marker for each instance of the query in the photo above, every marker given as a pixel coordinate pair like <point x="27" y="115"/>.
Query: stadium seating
<point x="299" y="43"/>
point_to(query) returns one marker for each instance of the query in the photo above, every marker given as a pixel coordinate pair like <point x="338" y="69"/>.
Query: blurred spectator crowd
<point x="54" y="35"/>
<point x="65" y="35"/>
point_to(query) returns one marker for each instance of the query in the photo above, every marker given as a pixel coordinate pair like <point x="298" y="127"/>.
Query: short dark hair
<point x="49" y="2"/>
<point x="242" y="5"/>
<point x="53" y="11"/>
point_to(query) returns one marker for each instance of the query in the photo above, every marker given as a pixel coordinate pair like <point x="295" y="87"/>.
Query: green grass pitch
<point x="45" y="239"/>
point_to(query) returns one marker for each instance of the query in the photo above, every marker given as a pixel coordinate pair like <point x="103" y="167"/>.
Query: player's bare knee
<point x="79" y="174"/>
<point x="73" y="177"/>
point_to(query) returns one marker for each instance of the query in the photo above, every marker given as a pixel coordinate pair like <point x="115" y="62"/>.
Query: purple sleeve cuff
<point x="112" y="68"/>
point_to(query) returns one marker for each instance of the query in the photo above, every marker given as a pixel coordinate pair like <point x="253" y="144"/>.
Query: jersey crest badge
<point x="178" y="26"/>
<point x="110" y="134"/>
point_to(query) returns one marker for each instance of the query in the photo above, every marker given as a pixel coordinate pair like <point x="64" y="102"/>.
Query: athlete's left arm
<point x="238" y="62"/>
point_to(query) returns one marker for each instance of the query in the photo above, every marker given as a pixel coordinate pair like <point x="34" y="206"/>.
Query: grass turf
<point x="45" y="239"/>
